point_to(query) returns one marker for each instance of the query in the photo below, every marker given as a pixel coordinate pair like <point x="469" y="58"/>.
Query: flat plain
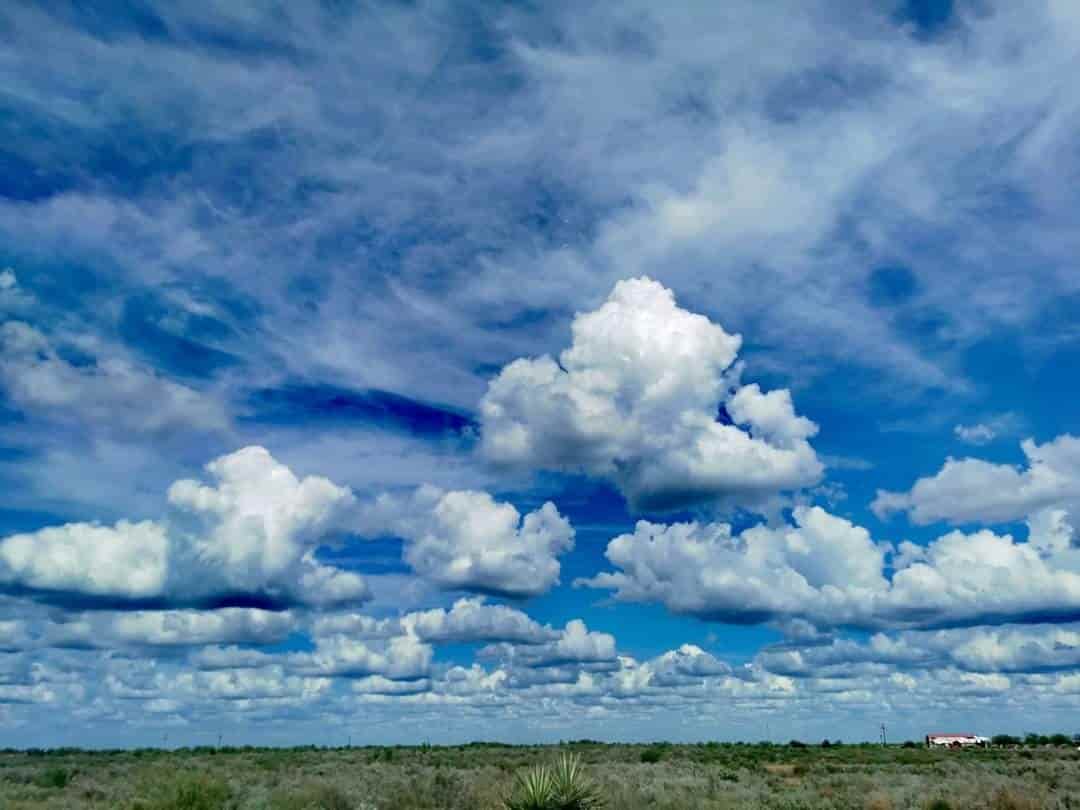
<point x="480" y="776"/>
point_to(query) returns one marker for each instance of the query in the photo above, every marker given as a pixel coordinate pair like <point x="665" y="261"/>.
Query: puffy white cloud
<point x="127" y="561"/>
<point x="823" y="568"/>
<point x="378" y="685"/>
<point x="829" y="572"/>
<point x="7" y="279"/>
<point x="230" y="658"/>
<point x="108" y="392"/>
<point x="635" y="399"/>
<point x="249" y="537"/>
<point x="167" y="628"/>
<point x="397" y="658"/>
<point x="971" y="490"/>
<point x="1009" y="649"/>
<point x="688" y="664"/>
<point x="193" y="628"/>
<point x="258" y="525"/>
<point x="984" y="578"/>
<point x="574" y="645"/>
<point x="466" y="540"/>
<point x="473" y="620"/>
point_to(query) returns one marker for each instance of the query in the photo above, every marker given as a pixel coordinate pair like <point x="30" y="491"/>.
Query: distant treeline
<point x="998" y="740"/>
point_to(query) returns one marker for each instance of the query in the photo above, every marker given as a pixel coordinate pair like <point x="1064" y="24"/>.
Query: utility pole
<point x="883" y="734"/>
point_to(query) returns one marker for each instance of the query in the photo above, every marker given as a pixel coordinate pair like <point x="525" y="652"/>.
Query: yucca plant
<point x="561" y="786"/>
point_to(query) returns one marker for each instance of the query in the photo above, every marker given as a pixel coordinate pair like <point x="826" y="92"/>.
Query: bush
<point x="187" y="791"/>
<point x="314" y="797"/>
<point x="53" y="777"/>
<point x="652" y="755"/>
<point x="562" y="786"/>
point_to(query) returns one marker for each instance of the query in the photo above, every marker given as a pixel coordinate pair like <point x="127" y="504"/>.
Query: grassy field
<point x="626" y="777"/>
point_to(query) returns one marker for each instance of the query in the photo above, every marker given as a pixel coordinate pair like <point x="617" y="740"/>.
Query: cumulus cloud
<point x="575" y="645"/>
<point x="173" y="628"/>
<point x="249" y="537"/>
<point x="471" y="620"/>
<point x="829" y="572"/>
<point x="466" y="540"/>
<point x="126" y="561"/>
<point x="397" y="658"/>
<point x="635" y="399"/>
<point x="1009" y="649"/>
<point x="819" y="568"/>
<point x="111" y="391"/>
<point x="971" y="490"/>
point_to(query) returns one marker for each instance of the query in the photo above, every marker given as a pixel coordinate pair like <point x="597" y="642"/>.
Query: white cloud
<point x="971" y="490"/>
<point x="823" y="568"/>
<point x="110" y="392"/>
<point x="128" y="560"/>
<point x="397" y="658"/>
<point x="466" y="540"/>
<point x="7" y="279"/>
<point x="230" y="658"/>
<point x="378" y="685"/>
<point x="574" y="645"/>
<point x="829" y="572"/>
<point x="172" y="628"/>
<point x="471" y="620"/>
<point x="987" y="430"/>
<point x="1009" y="649"/>
<point x="635" y="399"/>
<point x="251" y="535"/>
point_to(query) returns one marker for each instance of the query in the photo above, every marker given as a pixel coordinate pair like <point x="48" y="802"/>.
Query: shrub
<point x="186" y="791"/>
<point x="652" y="755"/>
<point x="314" y="797"/>
<point x="53" y="777"/>
<point x="562" y="786"/>
<point x="1011" y="799"/>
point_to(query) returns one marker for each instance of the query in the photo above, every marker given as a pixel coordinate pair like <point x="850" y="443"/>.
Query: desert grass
<point x="485" y="777"/>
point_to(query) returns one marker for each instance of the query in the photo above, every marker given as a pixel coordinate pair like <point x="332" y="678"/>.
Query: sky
<point x="405" y="372"/>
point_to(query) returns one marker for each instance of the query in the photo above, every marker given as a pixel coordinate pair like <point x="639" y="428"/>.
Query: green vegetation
<point x="578" y="774"/>
<point x="562" y="786"/>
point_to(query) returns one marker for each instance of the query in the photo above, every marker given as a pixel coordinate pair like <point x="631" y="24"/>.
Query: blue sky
<point x="450" y="371"/>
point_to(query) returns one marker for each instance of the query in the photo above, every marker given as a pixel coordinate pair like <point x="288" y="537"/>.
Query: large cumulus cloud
<point x="635" y="399"/>
<point x="466" y="540"/>
<point x="247" y="539"/>
<point x="829" y="572"/>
